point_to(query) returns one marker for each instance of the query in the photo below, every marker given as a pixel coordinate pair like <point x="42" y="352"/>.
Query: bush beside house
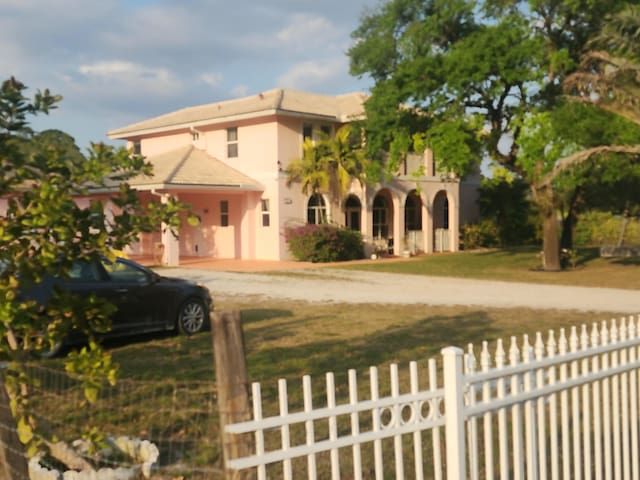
<point x="324" y="243"/>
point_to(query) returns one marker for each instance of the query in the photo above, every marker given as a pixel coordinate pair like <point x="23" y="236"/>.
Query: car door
<point x="89" y="278"/>
<point x="134" y="295"/>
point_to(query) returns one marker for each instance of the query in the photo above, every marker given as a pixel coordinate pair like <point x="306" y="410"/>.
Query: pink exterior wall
<point x="266" y="145"/>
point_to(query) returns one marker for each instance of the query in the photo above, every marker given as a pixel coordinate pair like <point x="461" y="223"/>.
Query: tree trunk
<point x="543" y="196"/>
<point x="550" y="242"/>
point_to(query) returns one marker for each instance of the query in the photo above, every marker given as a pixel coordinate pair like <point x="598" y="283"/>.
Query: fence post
<point x="13" y="464"/>
<point x="232" y="386"/>
<point x="454" y="413"/>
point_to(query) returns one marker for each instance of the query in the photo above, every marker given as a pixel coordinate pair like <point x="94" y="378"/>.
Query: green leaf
<point x="25" y="432"/>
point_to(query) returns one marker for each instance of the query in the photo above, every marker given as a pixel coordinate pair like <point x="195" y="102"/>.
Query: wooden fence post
<point x="13" y="464"/>
<point x="232" y="386"/>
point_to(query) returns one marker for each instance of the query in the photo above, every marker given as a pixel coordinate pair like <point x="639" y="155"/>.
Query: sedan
<point x="144" y="301"/>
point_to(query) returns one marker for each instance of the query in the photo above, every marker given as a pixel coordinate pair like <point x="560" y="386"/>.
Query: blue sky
<point x="116" y="62"/>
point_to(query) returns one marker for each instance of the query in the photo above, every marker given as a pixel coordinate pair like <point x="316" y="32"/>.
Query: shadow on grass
<point x="627" y="261"/>
<point x="423" y="338"/>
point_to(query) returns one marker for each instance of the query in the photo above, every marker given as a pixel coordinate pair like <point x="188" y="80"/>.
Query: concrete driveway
<point x="347" y="286"/>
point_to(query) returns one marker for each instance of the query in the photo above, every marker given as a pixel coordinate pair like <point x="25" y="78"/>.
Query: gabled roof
<point x="191" y="168"/>
<point x="341" y="108"/>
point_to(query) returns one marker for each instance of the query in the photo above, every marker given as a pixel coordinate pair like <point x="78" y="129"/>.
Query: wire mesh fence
<point x="179" y="418"/>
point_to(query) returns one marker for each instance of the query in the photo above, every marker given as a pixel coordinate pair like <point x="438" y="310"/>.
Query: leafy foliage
<point x="329" y="164"/>
<point x="482" y="234"/>
<point x="597" y="228"/>
<point x="324" y="243"/>
<point x="506" y="203"/>
<point x="478" y="79"/>
<point x="44" y="229"/>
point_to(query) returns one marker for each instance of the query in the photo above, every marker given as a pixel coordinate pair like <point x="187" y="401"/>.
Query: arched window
<point x="445" y="213"/>
<point x="380" y="217"/>
<point x="316" y="210"/>
<point x="413" y="212"/>
<point x="352" y="213"/>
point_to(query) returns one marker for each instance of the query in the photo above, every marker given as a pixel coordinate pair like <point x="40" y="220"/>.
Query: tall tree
<point x="472" y="79"/>
<point x="44" y="230"/>
<point x="610" y="69"/>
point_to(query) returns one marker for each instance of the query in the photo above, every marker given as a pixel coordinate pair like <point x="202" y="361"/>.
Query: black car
<point x="144" y="301"/>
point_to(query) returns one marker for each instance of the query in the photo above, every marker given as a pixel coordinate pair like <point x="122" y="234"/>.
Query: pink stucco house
<point x="227" y="160"/>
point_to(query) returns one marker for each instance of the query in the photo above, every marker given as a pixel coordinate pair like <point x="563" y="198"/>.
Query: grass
<point x="289" y="339"/>
<point x="517" y="265"/>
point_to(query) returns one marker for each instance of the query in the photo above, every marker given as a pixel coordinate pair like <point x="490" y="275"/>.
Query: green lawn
<point x="518" y="265"/>
<point x="289" y="339"/>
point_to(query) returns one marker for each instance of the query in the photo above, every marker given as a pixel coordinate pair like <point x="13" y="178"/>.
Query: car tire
<point x="192" y="317"/>
<point x="54" y="351"/>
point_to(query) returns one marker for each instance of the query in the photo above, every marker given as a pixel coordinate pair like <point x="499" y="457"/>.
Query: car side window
<point x="82" y="271"/>
<point x="123" y="272"/>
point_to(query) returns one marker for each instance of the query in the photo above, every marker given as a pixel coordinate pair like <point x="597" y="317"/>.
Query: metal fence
<point x="179" y="418"/>
<point x="561" y="407"/>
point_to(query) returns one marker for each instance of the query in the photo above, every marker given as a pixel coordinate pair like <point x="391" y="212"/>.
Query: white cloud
<point x="304" y="29"/>
<point x="118" y="61"/>
<point x="134" y="77"/>
<point x="240" y="91"/>
<point x="305" y="75"/>
<point x="212" y="79"/>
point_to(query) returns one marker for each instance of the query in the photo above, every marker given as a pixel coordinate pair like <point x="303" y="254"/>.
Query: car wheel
<point x="192" y="316"/>
<point x="50" y="351"/>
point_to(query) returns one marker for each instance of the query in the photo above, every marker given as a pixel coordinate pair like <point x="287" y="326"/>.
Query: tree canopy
<point x="44" y="229"/>
<point x="329" y="164"/>
<point x="476" y="79"/>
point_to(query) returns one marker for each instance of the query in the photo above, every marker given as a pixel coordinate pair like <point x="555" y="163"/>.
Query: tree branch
<point x="582" y="156"/>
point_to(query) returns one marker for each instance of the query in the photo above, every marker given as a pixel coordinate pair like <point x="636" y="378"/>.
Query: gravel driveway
<point x="350" y="286"/>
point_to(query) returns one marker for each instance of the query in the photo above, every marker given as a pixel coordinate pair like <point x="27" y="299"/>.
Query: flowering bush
<point x="324" y="243"/>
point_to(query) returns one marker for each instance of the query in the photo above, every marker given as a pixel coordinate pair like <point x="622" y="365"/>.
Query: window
<point x="326" y="129"/>
<point x="224" y="213"/>
<point x="413" y="212"/>
<point x="232" y="142"/>
<point x="137" y="147"/>
<point x="380" y="218"/>
<point x="307" y="132"/>
<point x="265" y="212"/>
<point x="352" y="212"/>
<point x="316" y="210"/>
<point x="445" y="213"/>
<point x="125" y="273"/>
<point x="83" y="271"/>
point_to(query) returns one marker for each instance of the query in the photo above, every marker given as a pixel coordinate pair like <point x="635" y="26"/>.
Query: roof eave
<point x="124" y="134"/>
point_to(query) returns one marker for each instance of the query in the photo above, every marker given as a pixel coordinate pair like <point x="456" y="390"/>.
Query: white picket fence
<point x="564" y="408"/>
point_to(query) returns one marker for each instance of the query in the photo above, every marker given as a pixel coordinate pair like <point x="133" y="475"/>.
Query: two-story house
<point x="227" y="161"/>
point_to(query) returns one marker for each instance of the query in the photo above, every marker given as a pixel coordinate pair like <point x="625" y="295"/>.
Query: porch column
<point x="398" y="225"/>
<point x="427" y="225"/>
<point x="171" y="244"/>
<point x="454" y="223"/>
<point x="366" y="222"/>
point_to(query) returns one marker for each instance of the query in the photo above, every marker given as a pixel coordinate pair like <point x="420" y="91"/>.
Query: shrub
<point x="506" y="203"/>
<point x="596" y="228"/>
<point x="324" y="243"/>
<point x="483" y="234"/>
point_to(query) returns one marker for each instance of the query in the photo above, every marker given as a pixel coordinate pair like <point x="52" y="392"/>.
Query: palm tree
<point x="329" y="165"/>
<point x="310" y="170"/>
<point x="609" y="76"/>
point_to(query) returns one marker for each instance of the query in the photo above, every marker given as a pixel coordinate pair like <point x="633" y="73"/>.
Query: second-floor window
<point x="232" y="142"/>
<point x="137" y="147"/>
<point x="314" y="132"/>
